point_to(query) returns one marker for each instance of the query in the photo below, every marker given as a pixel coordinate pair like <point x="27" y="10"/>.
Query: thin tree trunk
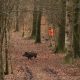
<point x="23" y="29"/>
<point x="1" y="58"/>
<point x="17" y="15"/>
<point x="1" y="61"/>
<point x="6" y="53"/>
<point x="1" y="42"/>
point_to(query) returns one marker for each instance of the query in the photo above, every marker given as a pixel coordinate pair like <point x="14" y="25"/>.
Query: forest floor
<point x="47" y="65"/>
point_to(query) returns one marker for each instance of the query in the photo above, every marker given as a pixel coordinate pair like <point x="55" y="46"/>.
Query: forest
<point x="39" y="39"/>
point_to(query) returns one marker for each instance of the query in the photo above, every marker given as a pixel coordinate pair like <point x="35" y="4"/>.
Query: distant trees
<point x="5" y="10"/>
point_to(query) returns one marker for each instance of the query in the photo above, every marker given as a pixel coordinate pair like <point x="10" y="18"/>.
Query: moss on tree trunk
<point x="75" y="30"/>
<point x="61" y="39"/>
<point x="34" y="24"/>
<point x="38" y="28"/>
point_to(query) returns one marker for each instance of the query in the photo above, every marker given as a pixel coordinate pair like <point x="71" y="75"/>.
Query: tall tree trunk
<point x="34" y="24"/>
<point x="38" y="27"/>
<point x="1" y="58"/>
<point x="61" y="36"/>
<point x="69" y="29"/>
<point x="75" y="30"/>
<point x="1" y="41"/>
<point x="6" y="52"/>
<point x="33" y="34"/>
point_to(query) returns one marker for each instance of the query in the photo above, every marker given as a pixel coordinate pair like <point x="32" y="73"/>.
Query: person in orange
<point x="51" y="33"/>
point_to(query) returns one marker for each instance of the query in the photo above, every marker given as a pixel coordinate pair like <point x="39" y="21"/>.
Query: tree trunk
<point x="1" y="58"/>
<point x="38" y="27"/>
<point x="6" y="53"/>
<point x="61" y="38"/>
<point x="1" y="41"/>
<point x="17" y="15"/>
<point x="69" y="29"/>
<point x="34" y="24"/>
<point x="75" y="30"/>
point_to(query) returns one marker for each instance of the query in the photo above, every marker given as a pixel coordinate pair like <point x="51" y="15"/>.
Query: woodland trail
<point x="46" y="66"/>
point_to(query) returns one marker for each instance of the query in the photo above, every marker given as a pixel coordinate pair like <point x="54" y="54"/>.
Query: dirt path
<point x="46" y="66"/>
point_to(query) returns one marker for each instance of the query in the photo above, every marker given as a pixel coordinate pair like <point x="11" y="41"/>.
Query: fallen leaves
<point x="46" y="66"/>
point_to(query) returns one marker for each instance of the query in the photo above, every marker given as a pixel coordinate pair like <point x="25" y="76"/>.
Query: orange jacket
<point x="51" y="32"/>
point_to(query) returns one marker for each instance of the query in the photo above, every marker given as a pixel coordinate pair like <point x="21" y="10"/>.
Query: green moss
<point x="69" y="58"/>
